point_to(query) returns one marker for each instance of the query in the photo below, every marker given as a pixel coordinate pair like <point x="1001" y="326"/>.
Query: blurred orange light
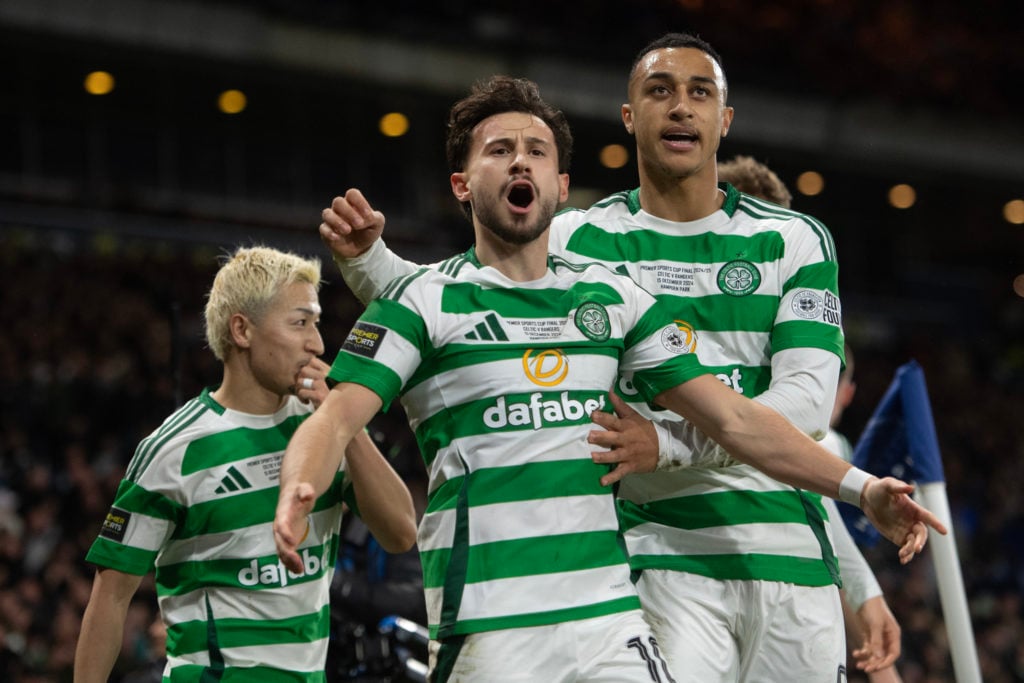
<point x="394" y="125"/>
<point x="232" y="101"/>
<point x="902" y="196"/>
<point x="614" y="156"/>
<point x="810" y="183"/>
<point x="1013" y="211"/>
<point x="99" y="83"/>
<point x="1018" y="285"/>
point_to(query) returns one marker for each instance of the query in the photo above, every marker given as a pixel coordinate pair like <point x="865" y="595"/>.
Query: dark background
<point x="114" y="209"/>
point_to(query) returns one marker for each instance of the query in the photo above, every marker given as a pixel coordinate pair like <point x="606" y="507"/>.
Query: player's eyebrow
<point x="669" y="76"/>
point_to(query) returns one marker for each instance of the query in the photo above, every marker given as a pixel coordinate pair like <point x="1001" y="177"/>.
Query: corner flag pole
<point x="900" y="441"/>
<point x="951" y="586"/>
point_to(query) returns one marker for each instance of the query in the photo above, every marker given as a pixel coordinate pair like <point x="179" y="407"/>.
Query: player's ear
<point x="460" y="187"/>
<point x="563" y="187"/>
<point x="727" y="114"/>
<point x="627" y="118"/>
<point x="241" y="330"/>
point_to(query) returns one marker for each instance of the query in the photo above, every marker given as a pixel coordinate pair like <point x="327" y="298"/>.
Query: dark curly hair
<point x="498" y="95"/>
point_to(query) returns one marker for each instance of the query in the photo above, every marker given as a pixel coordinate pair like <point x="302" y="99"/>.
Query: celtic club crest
<point x="738" y="278"/>
<point x="592" y="321"/>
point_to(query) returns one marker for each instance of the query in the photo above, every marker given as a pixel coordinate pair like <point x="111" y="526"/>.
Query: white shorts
<point x="618" y="648"/>
<point x="731" y="631"/>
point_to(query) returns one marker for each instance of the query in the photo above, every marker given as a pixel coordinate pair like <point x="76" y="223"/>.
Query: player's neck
<point x="517" y="262"/>
<point x="681" y="199"/>
<point x="241" y="391"/>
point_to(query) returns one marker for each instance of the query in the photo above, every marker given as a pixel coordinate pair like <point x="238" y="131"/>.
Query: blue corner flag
<point x="899" y="441"/>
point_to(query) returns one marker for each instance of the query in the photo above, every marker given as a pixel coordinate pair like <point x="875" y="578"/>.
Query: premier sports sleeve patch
<point x="115" y="524"/>
<point x="365" y="339"/>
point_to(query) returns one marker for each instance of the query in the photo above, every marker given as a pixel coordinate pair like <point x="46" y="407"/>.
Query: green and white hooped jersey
<point x="197" y="504"/>
<point x="753" y="279"/>
<point x="498" y="380"/>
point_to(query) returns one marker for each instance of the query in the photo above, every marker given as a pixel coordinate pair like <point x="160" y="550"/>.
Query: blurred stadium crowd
<point x="102" y="338"/>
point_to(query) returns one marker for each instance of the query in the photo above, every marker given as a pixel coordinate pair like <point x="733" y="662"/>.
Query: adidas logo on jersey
<point x="488" y="330"/>
<point x="233" y="481"/>
<point x="276" y="574"/>
<point x="537" y="412"/>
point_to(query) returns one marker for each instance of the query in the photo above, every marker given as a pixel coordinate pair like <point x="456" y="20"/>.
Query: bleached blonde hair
<point x="247" y="283"/>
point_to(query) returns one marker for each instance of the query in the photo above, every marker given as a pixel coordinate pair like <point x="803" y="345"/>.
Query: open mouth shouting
<point x="520" y="195"/>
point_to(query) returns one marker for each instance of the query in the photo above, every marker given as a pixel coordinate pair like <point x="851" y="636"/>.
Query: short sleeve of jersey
<point x="388" y="342"/>
<point x="660" y="351"/>
<point x="135" y="529"/>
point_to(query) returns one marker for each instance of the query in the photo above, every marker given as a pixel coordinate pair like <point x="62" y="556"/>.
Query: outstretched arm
<point x="351" y="229"/>
<point x="633" y="440"/>
<point x="312" y="458"/>
<point x="761" y="437"/>
<point x="802" y="390"/>
<point x="99" y="641"/>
